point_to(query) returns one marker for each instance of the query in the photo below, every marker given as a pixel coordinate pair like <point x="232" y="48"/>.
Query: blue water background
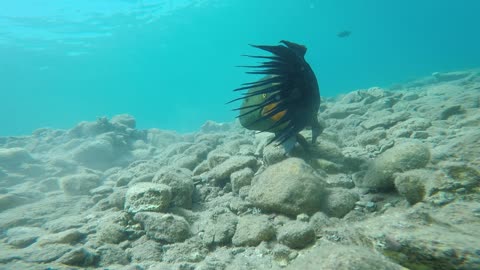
<point x="171" y="64"/>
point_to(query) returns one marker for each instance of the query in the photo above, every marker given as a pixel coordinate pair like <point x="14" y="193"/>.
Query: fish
<point x="286" y="100"/>
<point x="344" y="34"/>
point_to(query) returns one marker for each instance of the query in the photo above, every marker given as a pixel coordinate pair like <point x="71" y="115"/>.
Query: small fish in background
<point x="286" y="100"/>
<point x="344" y="34"/>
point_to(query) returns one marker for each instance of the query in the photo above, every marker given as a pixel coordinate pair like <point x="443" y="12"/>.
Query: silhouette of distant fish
<point x="344" y="34"/>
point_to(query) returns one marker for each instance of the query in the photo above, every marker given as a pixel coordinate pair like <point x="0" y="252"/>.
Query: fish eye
<point x="264" y="95"/>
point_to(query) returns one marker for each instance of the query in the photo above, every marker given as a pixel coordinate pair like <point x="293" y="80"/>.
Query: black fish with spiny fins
<point x="286" y="100"/>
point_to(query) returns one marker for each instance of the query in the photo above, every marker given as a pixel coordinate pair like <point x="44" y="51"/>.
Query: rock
<point x="252" y="230"/>
<point x="410" y="125"/>
<point x="140" y="145"/>
<point x="410" y="97"/>
<point x="418" y="239"/>
<point x="216" y="157"/>
<point x="64" y="223"/>
<point x="241" y="178"/>
<point x="296" y="234"/>
<point x="142" y="154"/>
<point x="341" y="111"/>
<point x="199" y="150"/>
<point x="339" y="180"/>
<point x="214" y="127"/>
<point x="13" y="158"/>
<point x="162" y="138"/>
<point x="411" y="185"/>
<point x="442" y="198"/>
<point x="21" y="237"/>
<point x="342" y="257"/>
<point x="386" y="119"/>
<point x="400" y="158"/>
<point x="353" y="159"/>
<point x="386" y="103"/>
<point x="109" y="254"/>
<point x="17" y="264"/>
<point x="246" y="150"/>
<point x="328" y="150"/>
<point x="125" y="120"/>
<point x="145" y="250"/>
<point x="98" y="154"/>
<point x="243" y="258"/>
<point x="450" y="76"/>
<point x="234" y="144"/>
<point x="12" y="200"/>
<point x="339" y="202"/>
<point x="32" y="170"/>
<point x="148" y="177"/>
<point x="79" y="184"/>
<point x="147" y="197"/>
<point x="319" y="221"/>
<point x="327" y="166"/>
<point x="167" y="266"/>
<point x="290" y="187"/>
<point x="79" y="257"/>
<point x="180" y="182"/>
<point x="46" y="255"/>
<point x="49" y="184"/>
<point x="201" y="168"/>
<point x="111" y="233"/>
<point x="188" y="251"/>
<point x="221" y="173"/>
<point x="215" y="260"/>
<point x="126" y="178"/>
<point x="452" y="110"/>
<point x="464" y="146"/>
<point x="303" y="217"/>
<point x="374" y="94"/>
<point x="8" y="255"/>
<point x="102" y="190"/>
<point x="189" y="215"/>
<point x="213" y="139"/>
<point x="243" y="192"/>
<point x="71" y="237"/>
<point x="273" y="154"/>
<point x="463" y="174"/>
<point x="187" y="162"/>
<point x="176" y="149"/>
<point x="469" y="118"/>
<point x="352" y="97"/>
<point x="372" y="137"/>
<point x="420" y="135"/>
<point x="117" y="198"/>
<point x="91" y="129"/>
<point x="164" y="227"/>
<point x="220" y="229"/>
<point x="238" y="205"/>
<point x="283" y="254"/>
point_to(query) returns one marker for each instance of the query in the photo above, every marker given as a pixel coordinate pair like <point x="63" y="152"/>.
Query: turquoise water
<point x="171" y="64"/>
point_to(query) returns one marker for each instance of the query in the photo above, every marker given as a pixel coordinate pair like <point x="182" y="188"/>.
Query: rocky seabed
<point x="393" y="182"/>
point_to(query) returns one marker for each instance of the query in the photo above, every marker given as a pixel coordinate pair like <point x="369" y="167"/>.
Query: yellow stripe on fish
<point x="268" y="108"/>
